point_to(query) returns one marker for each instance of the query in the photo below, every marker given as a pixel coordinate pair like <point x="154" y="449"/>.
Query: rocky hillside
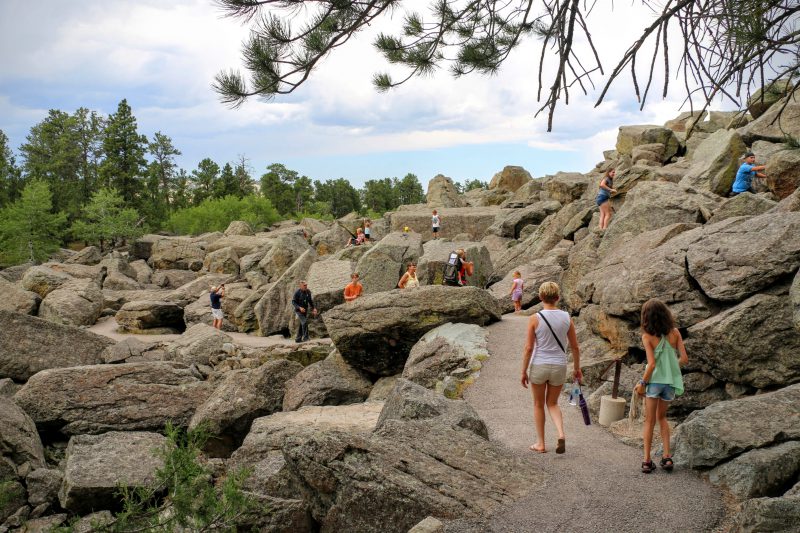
<point x="365" y="428"/>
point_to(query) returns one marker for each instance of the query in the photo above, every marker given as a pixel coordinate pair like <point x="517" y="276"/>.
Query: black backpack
<point x="451" y="269"/>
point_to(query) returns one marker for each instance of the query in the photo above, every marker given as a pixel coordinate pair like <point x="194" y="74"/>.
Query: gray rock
<point x="306" y="353"/>
<point x="175" y="253"/>
<point x="794" y="296"/>
<point x="222" y="261"/>
<point x="430" y="267"/>
<point x="753" y="343"/>
<point x="142" y="247"/>
<point x="527" y="194"/>
<point x="757" y="473"/>
<point x="631" y="136"/>
<point x="43" y="280"/>
<point x="44" y="524"/>
<point x="92" y="522"/>
<point x="43" y="485"/>
<point x="274" y="310"/>
<point x="442" y="193"/>
<point x="450" y="350"/>
<point x="326" y="281"/>
<point x="762" y="100"/>
<point x="77" y="302"/>
<point x="743" y="204"/>
<point x="382" y="388"/>
<point x="772" y="127"/>
<point x="146" y="316"/>
<point x="94" y="273"/>
<point x="783" y="172"/>
<point x="89" y="255"/>
<point x="564" y="187"/>
<point x="173" y="278"/>
<point x="768" y="515"/>
<point x="239" y="227"/>
<point x="286" y="515"/>
<point x="510" y="179"/>
<point x="679" y="122"/>
<point x="244" y="244"/>
<point x="125" y="397"/>
<point x="199" y="311"/>
<point x="126" y="349"/>
<point x="19" y="440"/>
<point x="398" y="319"/>
<point x="328" y="382"/>
<point x="715" y="162"/>
<point x="727" y="429"/>
<point x="410" y="401"/>
<point x="8" y="388"/>
<point x="739" y="257"/>
<point x="29" y="345"/>
<point x="383" y="264"/>
<point x="533" y="274"/>
<point x="117" y="281"/>
<point x="14" y="494"/>
<point x="198" y="344"/>
<point x="511" y="222"/>
<point x="18" y="299"/>
<point x="429" y="525"/>
<point x="474" y="221"/>
<point x="15" y="273"/>
<point x="243" y="396"/>
<point x="97" y="464"/>
<point x="282" y="254"/>
<point x="143" y="271"/>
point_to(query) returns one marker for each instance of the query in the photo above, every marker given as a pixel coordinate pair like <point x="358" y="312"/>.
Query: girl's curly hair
<point x="656" y="318"/>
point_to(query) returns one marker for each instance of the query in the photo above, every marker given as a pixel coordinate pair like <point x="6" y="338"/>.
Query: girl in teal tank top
<point x="662" y="379"/>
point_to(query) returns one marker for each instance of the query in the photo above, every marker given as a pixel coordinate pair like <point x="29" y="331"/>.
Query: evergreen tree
<point x="203" y="180"/>
<point x="10" y="177"/>
<point x="106" y="219"/>
<point x="124" y="166"/>
<point x="243" y="175"/>
<point x="339" y="194"/>
<point x="379" y="195"/>
<point x="227" y="185"/>
<point x="303" y="191"/>
<point x="181" y="196"/>
<point x="163" y="165"/>
<point x="277" y="185"/>
<point x="474" y="184"/>
<point x="89" y="127"/>
<point x="28" y="229"/>
<point x="409" y="190"/>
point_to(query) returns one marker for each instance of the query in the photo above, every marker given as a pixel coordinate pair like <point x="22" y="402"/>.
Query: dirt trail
<point x="597" y="485"/>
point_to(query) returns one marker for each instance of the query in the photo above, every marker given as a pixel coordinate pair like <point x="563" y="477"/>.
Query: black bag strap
<point x="553" y="332"/>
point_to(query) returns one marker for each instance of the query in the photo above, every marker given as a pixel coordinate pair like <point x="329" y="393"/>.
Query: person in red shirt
<point x="353" y="289"/>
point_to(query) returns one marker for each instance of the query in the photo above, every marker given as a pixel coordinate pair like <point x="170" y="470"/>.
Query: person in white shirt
<point x="436" y="222"/>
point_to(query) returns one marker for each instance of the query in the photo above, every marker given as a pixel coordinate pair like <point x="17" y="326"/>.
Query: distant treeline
<point x="96" y="179"/>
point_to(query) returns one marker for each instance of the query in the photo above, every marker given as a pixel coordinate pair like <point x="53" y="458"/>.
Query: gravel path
<point x="597" y="485"/>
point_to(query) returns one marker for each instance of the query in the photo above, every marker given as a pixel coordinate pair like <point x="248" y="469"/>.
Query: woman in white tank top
<point x="544" y="362"/>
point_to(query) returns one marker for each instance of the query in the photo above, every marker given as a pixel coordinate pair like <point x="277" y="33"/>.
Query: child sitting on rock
<point x="662" y="379"/>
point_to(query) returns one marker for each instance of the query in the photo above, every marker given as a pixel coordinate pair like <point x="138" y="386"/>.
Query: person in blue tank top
<point x="744" y="176"/>
<point x="662" y="379"/>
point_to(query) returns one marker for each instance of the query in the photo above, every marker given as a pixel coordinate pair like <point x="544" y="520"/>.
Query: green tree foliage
<point x="204" y="180"/>
<point x="124" y="149"/>
<point x="214" y="214"/>
<point x="64" y="151"/>
<point x="339" y="195"/>
<point x="380" y="195"/>
<point x="277" y="184"/>
<point x="409" y="190"/>
<point x="181" y="196"/>
<point x="28" y="229"/>
<point x="475" y="184"/>
<point x="243" y="176"/>
<point x="160" y="179"/>
<point x="106" y="219"/>
<point x="10" y="175"/>
<point x="227" y="184"/>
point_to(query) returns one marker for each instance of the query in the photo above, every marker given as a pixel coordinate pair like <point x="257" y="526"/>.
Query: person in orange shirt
<point x="354" y="289"/>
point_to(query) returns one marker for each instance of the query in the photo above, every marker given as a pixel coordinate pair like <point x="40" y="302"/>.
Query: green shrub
<point x="214" y="214"/>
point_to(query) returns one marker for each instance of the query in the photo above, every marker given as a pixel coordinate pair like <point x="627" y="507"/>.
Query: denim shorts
<point x="660" y="391"/>
<point x="601" y="199"/>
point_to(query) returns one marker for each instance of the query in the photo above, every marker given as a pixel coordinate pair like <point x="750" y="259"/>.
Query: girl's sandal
<point x="648" y="466"/>
<point x="667" y="463"/>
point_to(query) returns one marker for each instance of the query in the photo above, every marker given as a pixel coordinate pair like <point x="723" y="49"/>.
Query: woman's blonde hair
<point x="549" y="292"/>
<point x="460" y="252"/>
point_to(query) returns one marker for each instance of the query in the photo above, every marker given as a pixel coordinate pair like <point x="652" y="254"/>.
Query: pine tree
<point x="243" y="175"/>
<point x="227" y="185"/>
<point x="28" y="229"/>
<point x="203" y="180"/>
<point x="160" y="179"/>
<point x="180" y="196"/>
<point x="276" y="184"/>
<point x="124" y="149"/>
<point x="339" y="195"/>
<point x="409" y="190"/>
<point x="10" y="177"/>
<point x="106" y="219"/>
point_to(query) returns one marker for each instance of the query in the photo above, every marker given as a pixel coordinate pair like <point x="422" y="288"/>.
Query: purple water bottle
<point x="584" y="410"/>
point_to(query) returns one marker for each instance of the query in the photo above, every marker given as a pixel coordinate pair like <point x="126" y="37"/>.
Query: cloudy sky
<point x="162" y="57"/>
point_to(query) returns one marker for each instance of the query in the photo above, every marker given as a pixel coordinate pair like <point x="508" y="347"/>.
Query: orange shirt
<point x="353" y="290"/>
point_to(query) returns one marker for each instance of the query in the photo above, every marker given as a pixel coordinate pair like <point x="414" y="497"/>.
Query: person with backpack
<point x="458" y="268"/>
<point x="544" y="362"/>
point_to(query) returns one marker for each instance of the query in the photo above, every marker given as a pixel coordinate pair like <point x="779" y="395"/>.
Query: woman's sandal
<point x="561" y="446"/>
<point x="667" y="463"/>
<point x="648" y="466"/>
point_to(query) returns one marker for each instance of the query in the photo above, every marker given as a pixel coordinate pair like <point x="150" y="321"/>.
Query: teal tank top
<point x="668" y="371"/>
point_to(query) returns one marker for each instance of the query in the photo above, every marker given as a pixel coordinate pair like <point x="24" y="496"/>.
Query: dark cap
<point x="749" y="154"/>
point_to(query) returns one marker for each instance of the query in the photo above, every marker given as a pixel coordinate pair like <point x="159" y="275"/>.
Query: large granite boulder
<point x="752" y="343"/>
<point x="176" y="252"/>
<point x="768" y="515"/>
<point x="198" y="344"/>
<point x="117" y="281"/>
<point x="17" y="299"/>
<point x="761" y="100"/>
<point x="19" y="441"/>
<point x="442" y="193"/>
<point x="741" y="256"/>
<point x="725" y="430"/>
<point x="473" y="221"/>
<point x="172" y="278"/>
<point x="95" y="273"/>
<point x="149" y="316"/>
<point x="548" y="268"/>
<point x="142" y="247"/>
<point x="29" y="345"/>
<point x="42" y="280"/>
<point x="199" y="311"/>
<point x="282" y="254"/>
<point x="222" y="261"/>
<point x="514" y="220"/>
<point x="77" y="303"/>
<point x="485" y="197"/>
<point x="761" y="472"/>
<point x="89" y="255"/>
<point x="125" y="397"/>
<point x="376" y="332"/>
<point x="326" y="281"/>
<point x="328" y="382"/>
<point x="415" y="469"/>
<point x="242" y="244"/>
<point x="274" y="310"/>
<point x="383" y="264"/>
<point x="715" y="162"/>
<point x="794" y="297"/>
<point x="631" y="136"/>
<point x="679" y="123"/>
<point x="239" y="227"/>
<point x="564" y="187"/>
<point x="783" y="172"/>
<point x="96" y="466"/>
<point x="510" y="179"/>
<point x="430" y="267"/>
<point x="410" y="401"/>
<point x="743" y="204"/>
<point x="241" y="397"/>
<point x="780" y="120"/>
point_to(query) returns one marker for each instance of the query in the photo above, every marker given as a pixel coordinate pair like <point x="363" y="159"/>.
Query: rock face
<point x="29" y="345"/>
<point x="383" y="264"/>
<point x="533" y="275"/>
<point x="18" y="299"/>
<point x="761" y="472"/>
<point x="510" y="179"/>
<point x="243" y="396"/>
<point x="77" y="302"/>
<point x="239" y="227"/>
<point x="150" y="317"/>
<point x="715" y="162"/>
<point x="774" y="515"/>
<point x="282" y="254"/>
<point x="126" y="397"/>
<point x="794" y="296"/>
<point x="743" y="204"/>
<point x="274" y="310"/>
<point x="726" y="429"/>
<point x="416" y="470"/>
<point x="772" y="127"/>
<point x="442" y="193"/>
<point x="376" y="332"/>
<point x="564" y="187"/>
<point x="178" y="253"/>
<point x="90" y="255"/>
<point x="173" y="278"/>
<point x="430" y="267"/>
<point x="198" y="344"/>
<point x="19" y="441"/>
<point x="222" y="261"/>
<point x="758" y="104"/>
<point x="783" y="172"/>
<point x="43" y="280"/>
<point x="97" y="464"/>
<point x="328" y="382"/>
<point x="631" y="136"/>
<point x="454" y="221"/>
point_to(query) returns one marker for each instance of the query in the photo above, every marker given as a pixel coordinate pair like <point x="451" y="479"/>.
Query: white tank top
<point x="412" y="281"/>
<point x="546" y="351"/>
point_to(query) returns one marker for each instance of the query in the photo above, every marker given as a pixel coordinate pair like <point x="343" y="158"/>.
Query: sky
<point x="162" y="57"/>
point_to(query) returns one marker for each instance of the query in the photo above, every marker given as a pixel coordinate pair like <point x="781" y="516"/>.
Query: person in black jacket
<point x="303" y="303"/>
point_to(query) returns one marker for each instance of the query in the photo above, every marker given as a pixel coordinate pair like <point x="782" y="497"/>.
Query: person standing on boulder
<point x="604" y="197"/>
<point x="353" y="289"/>
<point x="662" y="379"/>
<point x="367" y="229"/>
<point x="544" y="362"/>
<point x="216" y="295"/>
<point x="303" y="303"/>
<point x="744" y="176"/>
<point x="436" y="222"/>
